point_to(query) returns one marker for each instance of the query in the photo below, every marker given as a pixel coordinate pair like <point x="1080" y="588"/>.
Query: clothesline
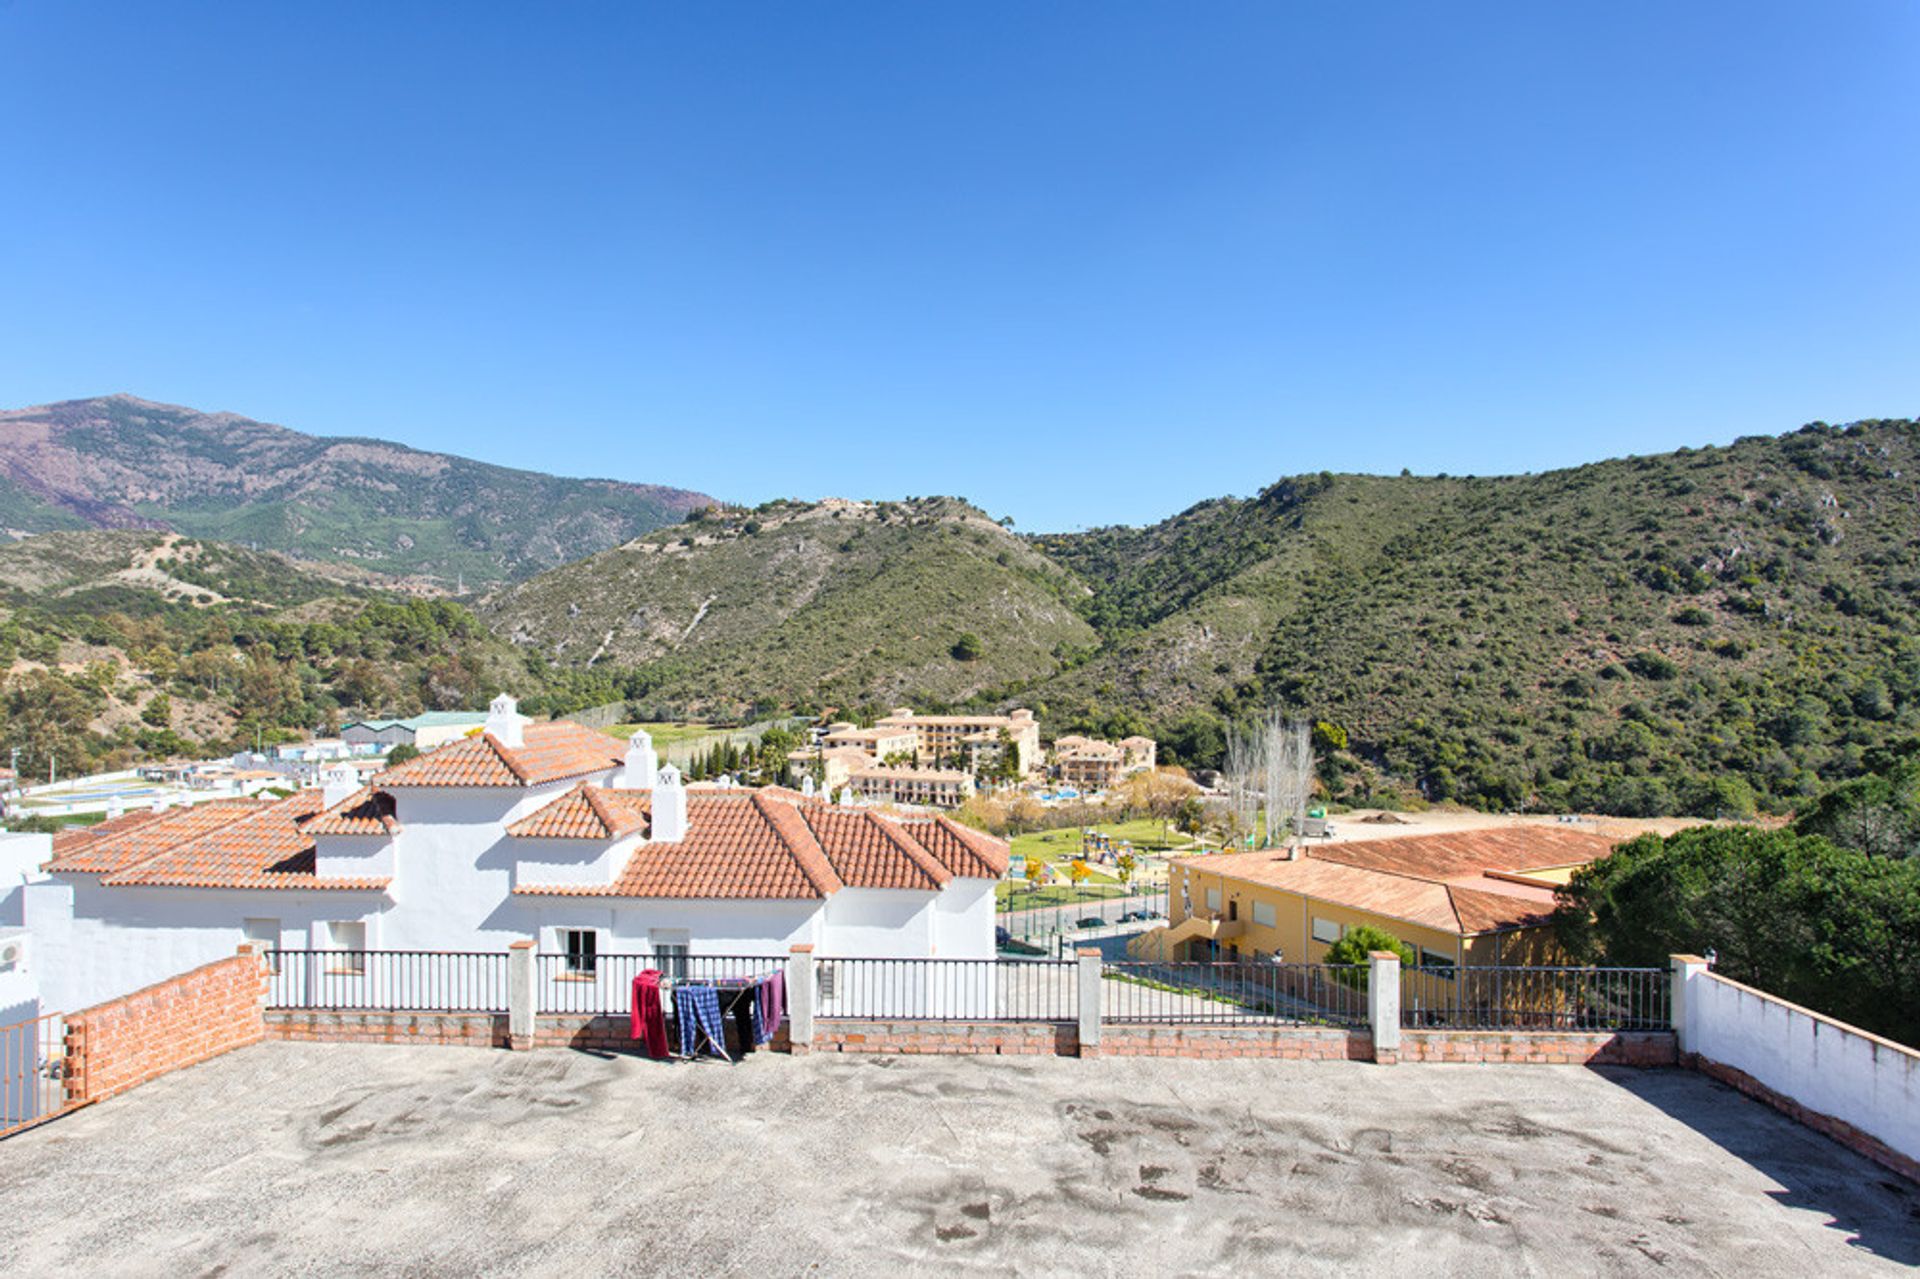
<point x="758" y="1005"/>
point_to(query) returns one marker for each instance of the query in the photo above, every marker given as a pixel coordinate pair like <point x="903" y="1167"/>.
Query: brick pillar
<point x="1089" y="990"/>
<point x="1383" y="1004"/>
<point x="1686" y="968"/>
<point x="801" y="991"/>
<point x="520" y="995"/>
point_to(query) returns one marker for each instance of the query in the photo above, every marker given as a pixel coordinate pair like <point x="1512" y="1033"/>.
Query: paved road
<point x="1048" y="919"/>
<point x="370" y="1159"/>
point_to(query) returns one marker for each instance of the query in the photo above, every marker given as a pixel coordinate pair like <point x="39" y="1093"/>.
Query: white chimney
<point x="505" y="722"/>
<point x="806" y="785"/>
<point x="641" y="770"/>
<point x="669" y="808"/>
<point x="336" y="784"/>
<point x="115" y="808"/>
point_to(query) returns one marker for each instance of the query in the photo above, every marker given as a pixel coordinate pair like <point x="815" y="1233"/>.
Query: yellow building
<point x="1469" y="898"/>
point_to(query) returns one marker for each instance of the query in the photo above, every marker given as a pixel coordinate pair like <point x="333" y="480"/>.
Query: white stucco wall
<point x="878" y="922"/>
<point x="570" y="861"/>
<point x="453" y="869"/>
<point x="21" y="857"/>
<point x="92" y="943"/>
<point x="964" y="920"/>
<point x="1825" y="1065"/>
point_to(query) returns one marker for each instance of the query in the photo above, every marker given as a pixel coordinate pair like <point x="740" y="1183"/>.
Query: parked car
<point x="1090" y="921"/>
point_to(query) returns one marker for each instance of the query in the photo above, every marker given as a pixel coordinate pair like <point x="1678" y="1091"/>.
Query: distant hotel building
<point x="934" y="787"/>
<point x="1089" y="764"/>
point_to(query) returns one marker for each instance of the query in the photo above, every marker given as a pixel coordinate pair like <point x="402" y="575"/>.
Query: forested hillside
<point x="1714" y="630"/>
<point x="1689" y="631"/>
<point x="430" y="519"/>
<point x="122" y="646"/>
<point x="804" y="605"/>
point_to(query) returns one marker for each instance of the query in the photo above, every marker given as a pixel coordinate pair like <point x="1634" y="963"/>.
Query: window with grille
<point x="583" y="950"/>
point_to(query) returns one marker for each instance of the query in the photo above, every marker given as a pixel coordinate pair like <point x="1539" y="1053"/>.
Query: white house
<point x="547" y="831"/>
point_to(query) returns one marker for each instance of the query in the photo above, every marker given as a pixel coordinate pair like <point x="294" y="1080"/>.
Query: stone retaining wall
<point x="460" y="1030"/>
<point x="1531" y="1047"/>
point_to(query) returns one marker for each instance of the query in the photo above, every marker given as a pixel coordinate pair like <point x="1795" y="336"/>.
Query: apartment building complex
<point x="931" y="787"/>
<point x="1089" y="764"/>
<point x="969" y="741"/>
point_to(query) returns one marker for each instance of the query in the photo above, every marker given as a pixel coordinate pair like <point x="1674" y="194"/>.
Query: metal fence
<point x="388" y="980"/>
<point x="1049" y="912"/>
<point x="949" y="989"/>
<point x="1233" y="994"/>
<point x="1537" y="998"/>
<point x="602" y="984"/>
<point x="34" y="1084"/>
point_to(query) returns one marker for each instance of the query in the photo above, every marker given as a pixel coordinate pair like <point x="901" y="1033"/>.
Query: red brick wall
<point x="1532" y="1047"/>
<point x="966" y="1038"/>
<point x="1295" y="1043"/>
<point x="465" y="1030"/>
<point x="179" y="1022"/>
<point x="615" y="1033"/>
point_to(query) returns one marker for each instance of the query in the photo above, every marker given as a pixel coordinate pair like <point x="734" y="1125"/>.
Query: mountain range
<point x="1709" y="630"/>
<point x="428" y="520"/>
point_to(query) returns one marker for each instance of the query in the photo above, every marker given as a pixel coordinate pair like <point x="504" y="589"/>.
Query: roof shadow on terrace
<point x="1877" y="1209"/>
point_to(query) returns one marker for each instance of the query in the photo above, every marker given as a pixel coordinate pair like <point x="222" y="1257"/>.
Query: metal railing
<point x="388" y="980"/>
<point x="1536" y="998"/>
<point x="603" y="984"/>
<point x="35" y="1085"/>
<point x="1063" y="913"/>
<point x="948" y="989"/>
<point x="1233" y="994"/>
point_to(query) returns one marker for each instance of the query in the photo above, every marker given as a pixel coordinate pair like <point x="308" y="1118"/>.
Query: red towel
<point x="649" y="1018"/>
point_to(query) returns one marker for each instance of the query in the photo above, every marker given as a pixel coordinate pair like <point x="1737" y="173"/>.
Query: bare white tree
<point x="1270" y="765"/>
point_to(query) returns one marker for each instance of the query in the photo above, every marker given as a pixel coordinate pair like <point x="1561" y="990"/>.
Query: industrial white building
<point x="546" y="831"/>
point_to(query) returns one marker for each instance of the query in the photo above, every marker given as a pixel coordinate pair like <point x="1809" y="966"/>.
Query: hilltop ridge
<point x="121" y="462"/>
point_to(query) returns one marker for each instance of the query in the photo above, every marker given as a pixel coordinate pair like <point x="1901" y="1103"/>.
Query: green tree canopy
<point x="1795" y="915"/>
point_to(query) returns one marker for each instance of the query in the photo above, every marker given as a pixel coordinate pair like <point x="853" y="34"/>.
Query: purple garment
<point x="772" y="996"/>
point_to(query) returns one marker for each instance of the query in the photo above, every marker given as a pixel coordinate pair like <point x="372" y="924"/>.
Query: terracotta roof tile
<point x="587" y="812"/>
<point x="1440" y="881"/>
<point x="770" y="842"/>
<point x="1450" y="854"/>
<point x="968" y="853"/>
<point x="548" y="753"/>
<point x="129" y="840"/>
<point x="737" y="845"/>
<point x="365" y="812"/>
<point x="262" y="846"/>
<point x="871" y="851"/>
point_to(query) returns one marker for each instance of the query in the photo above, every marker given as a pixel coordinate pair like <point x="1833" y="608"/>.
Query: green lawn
<point x="1053" y="846"/>
<point x="664" y="734"/>
<point x="1012" y="896"/>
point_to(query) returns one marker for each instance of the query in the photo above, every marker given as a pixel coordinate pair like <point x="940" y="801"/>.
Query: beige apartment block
<point x="934" y="787"/>
<point x="837" y="765"/>
<point x="970" y="739"/>
<point x="1089" y="764"/>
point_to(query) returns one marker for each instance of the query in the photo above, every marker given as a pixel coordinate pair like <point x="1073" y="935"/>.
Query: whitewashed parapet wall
<point x="1825" y="1066"/>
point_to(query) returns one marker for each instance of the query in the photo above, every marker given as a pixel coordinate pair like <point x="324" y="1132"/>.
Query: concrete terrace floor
<point x="426" y="1160"/>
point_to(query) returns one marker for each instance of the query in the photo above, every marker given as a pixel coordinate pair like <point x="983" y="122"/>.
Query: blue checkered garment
<point x="697" y="1011"/>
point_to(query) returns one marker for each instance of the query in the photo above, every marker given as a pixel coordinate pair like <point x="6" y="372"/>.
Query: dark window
<point x="583" y="946"/>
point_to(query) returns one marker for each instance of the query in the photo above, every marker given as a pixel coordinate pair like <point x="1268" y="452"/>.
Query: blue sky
<point x="1083" y="263"/>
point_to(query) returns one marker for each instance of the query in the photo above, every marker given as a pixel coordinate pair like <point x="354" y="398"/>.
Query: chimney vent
<point x="505" y="722"/>
<point x="669" y="808"/>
